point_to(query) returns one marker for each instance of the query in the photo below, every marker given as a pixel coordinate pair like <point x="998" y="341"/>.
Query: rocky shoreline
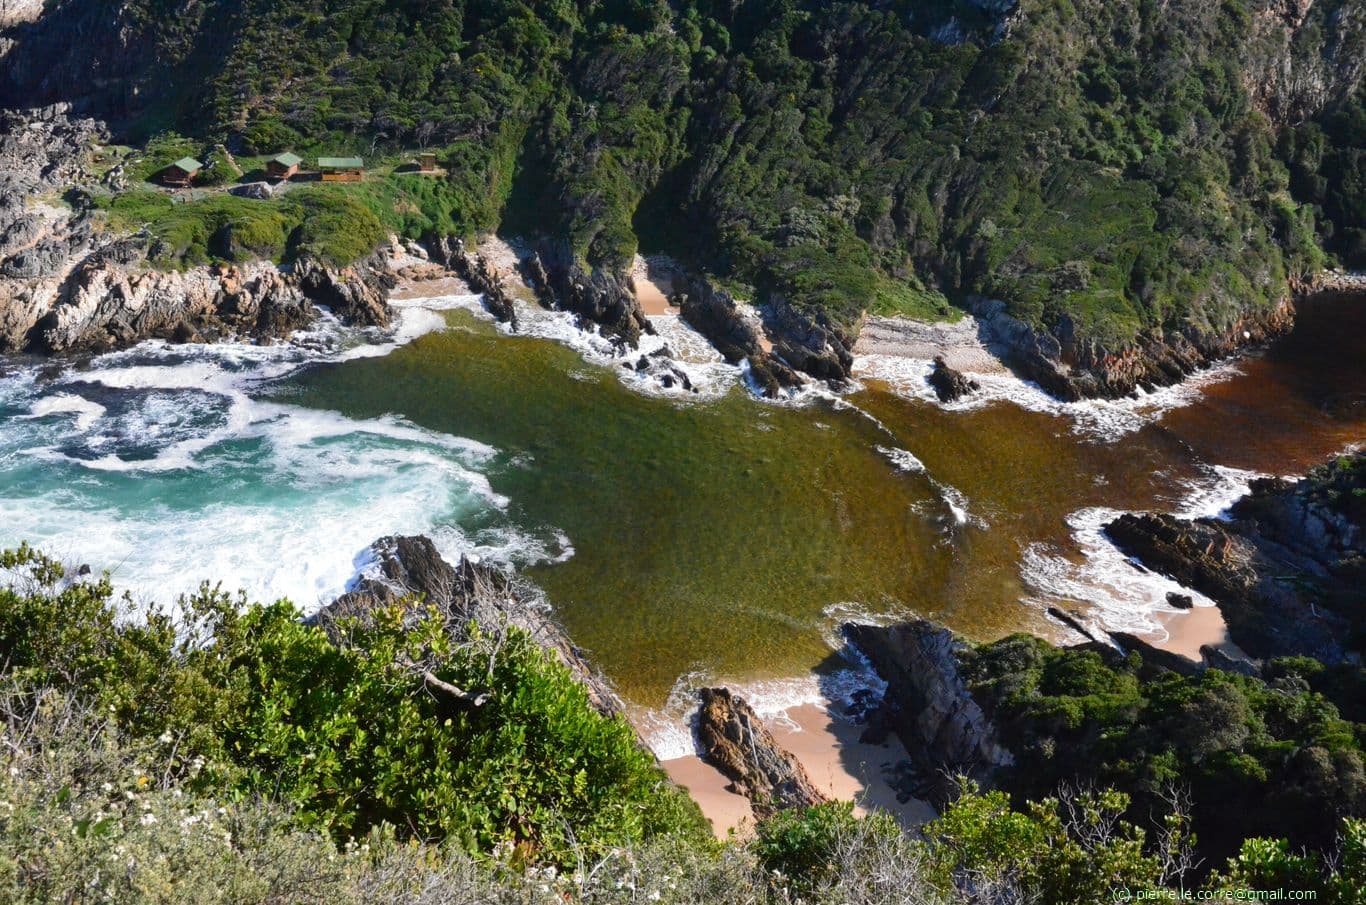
<point x="1286" y="566"/>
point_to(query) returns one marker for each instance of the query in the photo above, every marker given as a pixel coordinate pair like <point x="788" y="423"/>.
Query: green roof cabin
<point x="181" y="173"/>
<point x="341" y="169"/>
<point x="283" y="166"/>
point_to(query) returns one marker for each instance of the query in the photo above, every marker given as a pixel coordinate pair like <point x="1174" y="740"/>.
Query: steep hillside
<point x="1142" y="183"/>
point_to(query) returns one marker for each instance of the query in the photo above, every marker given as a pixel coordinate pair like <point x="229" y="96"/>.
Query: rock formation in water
<point x="736" y="742"/>
<point x="1287" y="568"/>
<point x="472" y="592"/>
<point x="928" y="704"/>
<point x="479" y="274"/>
<point x="598" y="296"/>
<point x="949" y="384"/>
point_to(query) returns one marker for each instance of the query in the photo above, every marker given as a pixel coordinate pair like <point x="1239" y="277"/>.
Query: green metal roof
<point x="340" y="163"/>
<point x="287" y="159"/>
<point x="188" y="164"/>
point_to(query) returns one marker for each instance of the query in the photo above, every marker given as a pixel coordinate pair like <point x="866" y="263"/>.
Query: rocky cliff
<point x="928" y="704"/>
<point x="1073" y="367"/>
<point x="67" y="284"/>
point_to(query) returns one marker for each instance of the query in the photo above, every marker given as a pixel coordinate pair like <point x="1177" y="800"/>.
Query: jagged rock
<point x="106" y="304"/>
<point x="1286" y="567"/>
<point x="408" y="567"/>
<point x="357" y="293"/>
<point x="481" y="276"/>
<point x="815" y="346"/>
<point x="771" y="375"/>
<point x="715" y="314"/>
<point x="949" y="384"/>
<point x="737" y="743"/>
<point x="604" y="298"/>
<point x="928" y="702"/>
<point x="1180" y="601"/>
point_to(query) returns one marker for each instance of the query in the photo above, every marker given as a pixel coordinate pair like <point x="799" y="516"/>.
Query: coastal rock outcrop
<point x="1286" y="567"/>
<point x="69" y="285"/>
<point x="477" y="271"/>
<point x="715" y="314"/>
<point x="471" y="592"/>
<point x="949" y="384"/>
<point x="599" y="297"/>
<point x="928" y="704"/>
<point x="812" y="344"/>
<point x="1073" y="367"/>
<point x="736" y="742"/>
<point x="357" y="293"/>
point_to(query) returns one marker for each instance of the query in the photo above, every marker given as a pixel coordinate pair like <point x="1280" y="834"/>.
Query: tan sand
<point x="1189" y="630"/>
<point x="653" y="285"/>
<point x="726" y="810"/>
<point x="408" y="290"/>
<point x="836" y="761"/>
<point x="845" y="768"/>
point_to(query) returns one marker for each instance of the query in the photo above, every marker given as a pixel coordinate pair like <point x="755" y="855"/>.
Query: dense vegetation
<point x="1218" y="737"/>
<point x="1102" y="167"/>
<point x="241" y="755"/>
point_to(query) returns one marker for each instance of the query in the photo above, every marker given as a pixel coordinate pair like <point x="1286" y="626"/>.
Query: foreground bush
<point x="248" y="700"/>
<point x="239" y="755"/>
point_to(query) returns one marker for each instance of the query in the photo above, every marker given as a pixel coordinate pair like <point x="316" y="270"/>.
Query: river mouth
<point x="680" y="537"/>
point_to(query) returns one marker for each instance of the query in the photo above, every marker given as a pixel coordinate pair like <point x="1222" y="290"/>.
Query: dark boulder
<point x="950" y="384"/>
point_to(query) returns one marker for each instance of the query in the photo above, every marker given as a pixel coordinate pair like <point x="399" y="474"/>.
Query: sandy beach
<point x="653" y="285"/>
<point x="1189" y="630"/>
<point x="828" y="748"/>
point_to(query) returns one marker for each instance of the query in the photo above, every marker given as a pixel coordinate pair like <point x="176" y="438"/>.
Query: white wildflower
<point x="147" y="819"/>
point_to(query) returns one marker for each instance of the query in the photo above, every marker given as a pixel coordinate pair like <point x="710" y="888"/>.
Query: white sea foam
<point x="1107" y="419"/>
<point x="86" y="412"/>
<point x="953" y="498"/>
<point x="1123" y="595"/>
<point x="296" y="494"/>
<point x="670" y="730"/>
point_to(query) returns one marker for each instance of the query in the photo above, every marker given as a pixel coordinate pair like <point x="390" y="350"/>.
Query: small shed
<point x="181" y="173"/>
<point x="426" y="162"/>
<point x="341" y="169"/>
<point x="283" y="166"/>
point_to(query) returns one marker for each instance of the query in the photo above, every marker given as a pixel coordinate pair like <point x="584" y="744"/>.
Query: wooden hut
<point x="426" y="162"/>
<point x="341" y="169"/>
<point x="181" y="173"/>
<point x="283" y="166"/>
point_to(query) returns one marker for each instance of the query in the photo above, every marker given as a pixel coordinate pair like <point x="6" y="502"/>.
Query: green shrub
<point x="349" y="735"/>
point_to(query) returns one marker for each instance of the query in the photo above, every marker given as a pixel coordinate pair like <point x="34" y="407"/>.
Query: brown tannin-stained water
<point x="726" y="538"/>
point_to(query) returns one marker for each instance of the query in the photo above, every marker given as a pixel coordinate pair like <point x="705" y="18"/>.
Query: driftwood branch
<point x="452" y="692"/>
